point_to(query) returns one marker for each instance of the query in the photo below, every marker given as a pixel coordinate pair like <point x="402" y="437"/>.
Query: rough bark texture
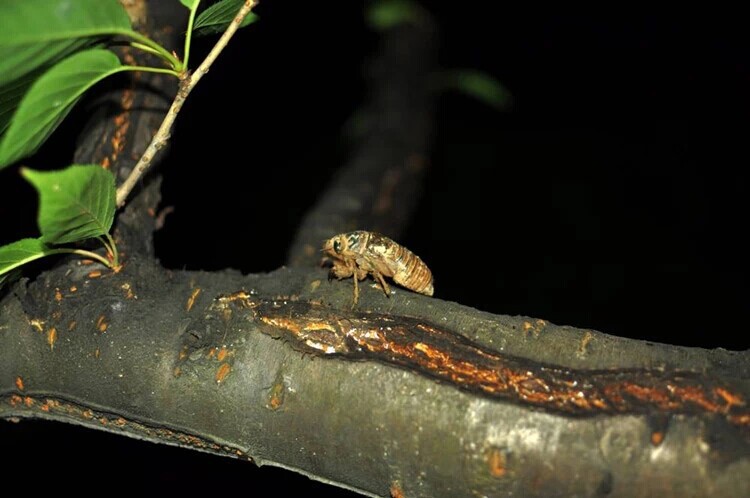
<point x="125" y="120"/>
<point x="403" y="396"/>
<point x="158" y="355"/>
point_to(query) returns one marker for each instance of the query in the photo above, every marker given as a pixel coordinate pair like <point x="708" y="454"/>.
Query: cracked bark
<point x="409" y="396"/>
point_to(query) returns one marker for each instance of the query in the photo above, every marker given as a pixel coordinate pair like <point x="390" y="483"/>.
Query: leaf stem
<point x="150" y="69"/>
<point x="189" y="35"/>
<point x="156" y="49"/>
<point x="145" y="48"/>
<point x="81" y="252"/>
<point x="113" y="250"/>
<point x="104" y="243"/>
<point x="186" y="85"/>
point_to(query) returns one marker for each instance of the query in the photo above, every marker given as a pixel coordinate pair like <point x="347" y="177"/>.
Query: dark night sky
<point x="612" y="196"/>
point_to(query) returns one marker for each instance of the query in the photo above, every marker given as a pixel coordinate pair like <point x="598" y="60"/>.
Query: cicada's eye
<point x="337" y="246"/>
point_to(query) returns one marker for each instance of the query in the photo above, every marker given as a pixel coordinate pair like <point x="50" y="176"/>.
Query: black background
<point x="612" y="196"/>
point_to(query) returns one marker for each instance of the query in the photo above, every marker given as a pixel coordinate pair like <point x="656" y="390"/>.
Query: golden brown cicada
<point x="361" y="253"/>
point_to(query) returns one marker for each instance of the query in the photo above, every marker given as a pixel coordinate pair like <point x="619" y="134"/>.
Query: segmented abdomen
<point x="410" y="271"/>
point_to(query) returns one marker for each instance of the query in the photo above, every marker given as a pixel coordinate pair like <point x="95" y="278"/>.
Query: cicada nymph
<point x="361" y="253"/>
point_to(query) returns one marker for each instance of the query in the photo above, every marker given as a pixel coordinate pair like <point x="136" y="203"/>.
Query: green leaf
<point x="386" y="14"/>
<point x="21" y="252"/>
<point x="188" y="3"/>
<point x="36" y="33"/>
<point x="479" y="85"/>
<point x="217" y="17"/>
<point x="75" y="203"/>
<point x="11" y="95"/>
<point x="50" y="99"/>
<point x="51" y="56"/>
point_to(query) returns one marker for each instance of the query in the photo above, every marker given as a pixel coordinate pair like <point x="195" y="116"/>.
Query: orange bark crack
<point x="449" y="357"/>
<point x="192" y="298"/>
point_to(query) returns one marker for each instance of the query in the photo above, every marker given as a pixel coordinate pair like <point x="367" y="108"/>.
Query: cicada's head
<point x="335" y="246"/>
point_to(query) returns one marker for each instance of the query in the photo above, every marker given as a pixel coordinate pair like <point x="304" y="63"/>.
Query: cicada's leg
<point x="359" y="274"/>
<point x="379" y="277"/>
<point x="356" y="293"/>
<point x="340" y="270"/>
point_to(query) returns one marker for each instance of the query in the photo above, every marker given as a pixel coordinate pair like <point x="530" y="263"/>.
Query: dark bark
<point x="408" y="395"/>
<point x="156" y="355"/>
<point x="125" y="120"/>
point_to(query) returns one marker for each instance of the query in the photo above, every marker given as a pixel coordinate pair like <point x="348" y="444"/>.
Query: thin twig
<point x="186" y="86"/>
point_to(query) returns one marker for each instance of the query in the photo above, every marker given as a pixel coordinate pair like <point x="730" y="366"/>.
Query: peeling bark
<point x="420" y="346"/>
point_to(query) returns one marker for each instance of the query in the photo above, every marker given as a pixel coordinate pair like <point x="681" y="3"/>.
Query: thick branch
<point x="126" y="118"/>
<point x="379" y="186"/>
<point x="407" y="396"/>
<point x="409" y="393"/>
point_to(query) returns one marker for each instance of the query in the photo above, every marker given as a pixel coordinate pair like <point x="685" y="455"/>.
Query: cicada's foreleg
<point x="340" y="270"/>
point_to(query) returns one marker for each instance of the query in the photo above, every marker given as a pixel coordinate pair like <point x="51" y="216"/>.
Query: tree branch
<point x="378" y="188"/>
<point x="124" y="121"/>
<point x="187" y="84"/>
<point x="407" y="396"/>
<point x="491" y="405"/>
